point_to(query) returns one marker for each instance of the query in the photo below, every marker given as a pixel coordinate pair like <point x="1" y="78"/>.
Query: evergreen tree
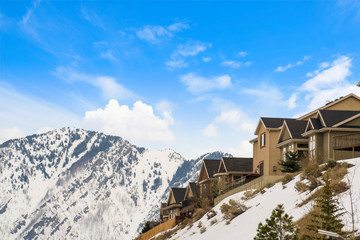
<point x="326" y="214"/>
<point x="146" y="227"/>
<point x="291" y="163"/>
<point x="278" y="227"/>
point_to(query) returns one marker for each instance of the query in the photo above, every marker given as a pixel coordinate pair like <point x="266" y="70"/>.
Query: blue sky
<point x="194" y="76"/>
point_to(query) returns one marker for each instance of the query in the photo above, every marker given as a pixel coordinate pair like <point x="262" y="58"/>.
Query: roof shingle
<point x="238" y="164"/>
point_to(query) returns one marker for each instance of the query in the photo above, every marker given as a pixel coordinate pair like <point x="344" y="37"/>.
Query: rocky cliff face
<point x="77" y="184"/>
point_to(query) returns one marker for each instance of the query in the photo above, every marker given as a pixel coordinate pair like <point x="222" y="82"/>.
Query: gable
<point x="284" y="134"/>
<point x="171" y="198"/>
<point x="189" y="193"/>
<point x="355" y="122"/>
<point x="260" y="128"/>
<point x="222" y="167"/>
<point x="203" y="174"/>
<point x="309" y="126"/>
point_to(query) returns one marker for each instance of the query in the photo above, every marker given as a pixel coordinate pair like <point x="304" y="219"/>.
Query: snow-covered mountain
<point x="77" y="184"/>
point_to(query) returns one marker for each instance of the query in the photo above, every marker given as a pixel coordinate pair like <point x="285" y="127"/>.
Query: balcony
<point x="346" y="142"/>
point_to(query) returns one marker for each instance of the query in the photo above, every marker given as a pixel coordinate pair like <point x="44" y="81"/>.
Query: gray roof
<point x="195" y="189"/>
<point x="238" y="164"/>
<point x="211" y="166"/>
<point x="296" y="128"/>
<point x="179" y="194"/>
<point x="332" y="117"/>
<point x="316" y="123"/>
<point x="273" y="122"/>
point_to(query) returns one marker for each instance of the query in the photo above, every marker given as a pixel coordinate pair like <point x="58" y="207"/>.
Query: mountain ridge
<point x="68" y="182"/>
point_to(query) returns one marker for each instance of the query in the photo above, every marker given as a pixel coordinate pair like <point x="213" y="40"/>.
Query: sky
<point x="193" y="76"/>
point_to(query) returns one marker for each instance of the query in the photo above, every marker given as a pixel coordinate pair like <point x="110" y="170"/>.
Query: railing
<point x="347" y="141"/>
<point x="162" y="227"/>
<point x="257" y="183"/>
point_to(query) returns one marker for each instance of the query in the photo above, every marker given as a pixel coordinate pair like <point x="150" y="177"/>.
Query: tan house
<point x="206" y="177"/>
<point x="190" y="201"/>
<point x="173" y="205"/>
<point x="265" y="153"/>
<point x="329" y="132"/>
<point x="234" y="171"/>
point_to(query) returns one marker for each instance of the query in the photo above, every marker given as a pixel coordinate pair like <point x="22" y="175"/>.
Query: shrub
<point x="312" y="170"/>
<point x="287" y="178"/>
<point x="200" y="224"/>
<point x="339" y="187"/>
<point x="313" y="183"/>
<point x="212" y="213"/>
<point x="247" y="195"/>
<point x="330" y="164"/>
<point x="232" y="210"/>
<point x="199" y="213"/>
<point x="213" y="221"/>
<point x="300" y="186"/>
<point x="269" y="185"/>
<point x="203" y="229"/>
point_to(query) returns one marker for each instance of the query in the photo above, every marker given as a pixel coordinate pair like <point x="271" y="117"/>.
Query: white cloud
<point x="108" y="55"/>
<point x="10" y="133"/>
<point x="176" y="63"/>
<point x="155" y="33"/>
<point x="178" y="27"/>
<point x="329" y="75"/>
<point x="236" y="64"/>
<point x="109" y="86"/>
<point x="138" y="124"/>
<point x="197" y="84"/>
<point x="236" y="119"/>
<point x="232" y="64"/>
<point x="244" y="149"/>
<point x="30" y="11"/>
<point x="165" y="107"/>
<point x="292" y="101"/>
<point x="210" y="131"/>
<point x="242" y="54"/>
<point x="206" y="59"/>
<point x="192" y="48"/>
<point x="291" y="65"/>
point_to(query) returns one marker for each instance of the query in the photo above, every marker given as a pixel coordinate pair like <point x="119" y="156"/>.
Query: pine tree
<point x="278" y="227"/>
<point x="291" y="163"/>
<point x="146" y="227"/>
<point x="326" y="214"/>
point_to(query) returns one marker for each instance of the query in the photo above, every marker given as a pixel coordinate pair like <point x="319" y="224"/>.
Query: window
<point x="312" y="146"/>
<point x="303" y="145"/>
<point x="284" y="153"/>
<point x="262" y="140"/>
<point x="291" y="148"/>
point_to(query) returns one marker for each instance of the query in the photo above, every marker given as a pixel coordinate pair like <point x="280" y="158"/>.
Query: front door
<point x="261" y="168"/>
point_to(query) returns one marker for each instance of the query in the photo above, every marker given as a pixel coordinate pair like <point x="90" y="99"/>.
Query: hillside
<point x="260" y="207"/>
<point x="72" y="183"/>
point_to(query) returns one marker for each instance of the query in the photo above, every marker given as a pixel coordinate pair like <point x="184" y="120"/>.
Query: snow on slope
<point x="77" y="184"/>
<point x="261" y="206"/>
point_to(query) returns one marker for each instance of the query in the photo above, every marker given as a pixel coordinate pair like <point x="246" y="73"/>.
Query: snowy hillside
<point x="260" y="207"/>
<point x="72" y="183"/>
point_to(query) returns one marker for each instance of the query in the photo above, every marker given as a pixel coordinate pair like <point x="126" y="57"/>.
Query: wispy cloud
<point x="242" y="54"/>
<point x="189" y="49"/>
<point x="108" y="55"/>
<point x="30" y="11"/>
<point x="155" y="33"/>
<point x="93" y="18"/>
<point x="210" y="131"/>
<point x="292" y="65"/>
<point x="236" y="64"/>
<point x="197" y="84"/>
<point x="206" y="59"/>
<point x="108" y="85"/>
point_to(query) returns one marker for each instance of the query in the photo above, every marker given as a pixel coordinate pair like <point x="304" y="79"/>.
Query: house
<point x="206" y="178"/>
<point x="329" y="132"/>
<point x="265" y="153"/>
<point x="190" y="201"/>
<point x="164" y="214"/>
<point x="234" y="171"/>
<point x="173" y="205"/>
